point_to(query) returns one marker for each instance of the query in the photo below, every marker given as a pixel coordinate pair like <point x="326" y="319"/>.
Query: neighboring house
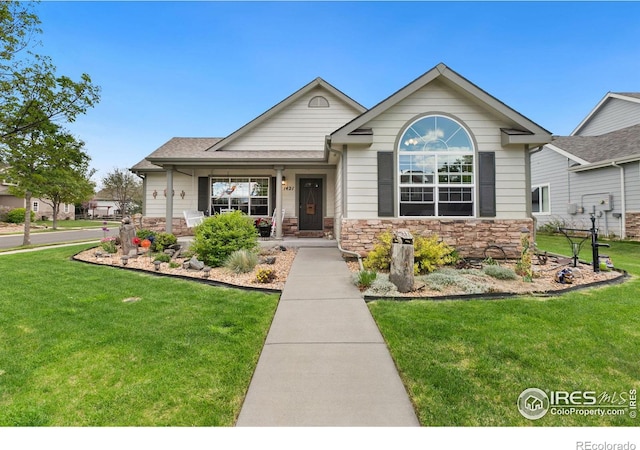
<point x="594" y="171"/>
<point x="102" y="206"/>
<point x="438" y="156"/>
<point x="41" y="209"/>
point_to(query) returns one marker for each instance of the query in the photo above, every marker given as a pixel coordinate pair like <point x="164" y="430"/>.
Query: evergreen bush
<point x="429" y="254"/>
<point x="162" y="241"/>
<point x="219" y="236"/>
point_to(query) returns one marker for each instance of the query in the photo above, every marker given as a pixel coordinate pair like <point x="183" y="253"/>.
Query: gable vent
<point x="318" y="102"/>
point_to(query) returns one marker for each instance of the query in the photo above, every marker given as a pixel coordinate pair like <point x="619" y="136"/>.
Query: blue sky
<point x="204" y="69"/>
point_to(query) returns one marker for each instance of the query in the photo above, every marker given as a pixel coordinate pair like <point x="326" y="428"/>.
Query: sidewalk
<point x="324" y="362"/>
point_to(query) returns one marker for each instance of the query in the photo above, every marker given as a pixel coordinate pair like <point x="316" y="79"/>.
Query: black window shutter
<point x="487" y="183"/>
<point x="203" y="195"/>
<point x="385" y="184"/>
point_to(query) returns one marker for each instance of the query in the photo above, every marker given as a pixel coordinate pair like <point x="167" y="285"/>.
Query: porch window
<point x="436" y="168"/>
<point x="540" y="199"/>
<point x="249" y="195"/>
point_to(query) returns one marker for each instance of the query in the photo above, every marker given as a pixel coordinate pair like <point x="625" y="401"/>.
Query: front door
<point x="310" y="204"/>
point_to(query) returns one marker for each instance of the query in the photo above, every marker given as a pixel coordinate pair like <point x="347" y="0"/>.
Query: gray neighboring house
<point x="594" y="170"/>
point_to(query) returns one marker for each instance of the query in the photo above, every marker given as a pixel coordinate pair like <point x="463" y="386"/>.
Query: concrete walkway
<point x="324" y="362"/>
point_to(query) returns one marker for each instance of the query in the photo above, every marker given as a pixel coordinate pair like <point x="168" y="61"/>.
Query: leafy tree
<point x="67" y="176"/>
<point x="49" y="163"/>
<point x="30" y="91"/>
<point x="124" y="188"/>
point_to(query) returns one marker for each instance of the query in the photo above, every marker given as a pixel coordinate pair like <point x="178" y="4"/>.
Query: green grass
<point x="68" y="224"/>
<point x="72" y="353"/>
<point x="465" y="363"/>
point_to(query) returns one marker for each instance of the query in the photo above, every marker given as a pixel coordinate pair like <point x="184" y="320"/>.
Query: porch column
<point x="169" y="204"/>
<point x="278" y="213"/>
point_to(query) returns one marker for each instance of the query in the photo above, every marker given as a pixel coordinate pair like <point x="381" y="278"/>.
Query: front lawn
<point x="465" y="363"/>
<point x="84" y="345"/>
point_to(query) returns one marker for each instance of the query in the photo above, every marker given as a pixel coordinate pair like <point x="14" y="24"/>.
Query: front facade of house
<point x="594" y="171"/>
<point x="438" y="156"/>
<point x="40" y="207"/>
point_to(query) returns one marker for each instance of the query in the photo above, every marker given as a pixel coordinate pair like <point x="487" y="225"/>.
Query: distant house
<point x="40" y="207"/>
<point x="595" y="170"/>
<point x="102" y="206"/>
<point x="440" y="155"/>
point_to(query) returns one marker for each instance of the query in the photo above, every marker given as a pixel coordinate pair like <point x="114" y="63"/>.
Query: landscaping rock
<point x="268" y="260"/>
<point x="195" y="264"/>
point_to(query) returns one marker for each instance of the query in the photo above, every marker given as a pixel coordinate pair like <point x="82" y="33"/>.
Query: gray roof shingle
<point x="616" y="144"/>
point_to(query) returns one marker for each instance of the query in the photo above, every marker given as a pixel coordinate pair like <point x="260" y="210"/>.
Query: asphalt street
<point x="55" y="237"/>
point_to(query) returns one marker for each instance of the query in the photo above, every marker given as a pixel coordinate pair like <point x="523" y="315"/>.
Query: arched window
<point x="318" y="102"/>
<point x="436" y="168"/>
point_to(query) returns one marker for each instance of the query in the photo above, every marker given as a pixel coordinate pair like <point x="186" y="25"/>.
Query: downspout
<point x="342" y="155"/>
<point x="623" y="203"/>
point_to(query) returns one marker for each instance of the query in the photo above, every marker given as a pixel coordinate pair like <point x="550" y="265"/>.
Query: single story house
<point x="440" y="155"/>
<point x="102" y="206"/>
<point x="594" y="171"/>
<point x="40" y="207"/>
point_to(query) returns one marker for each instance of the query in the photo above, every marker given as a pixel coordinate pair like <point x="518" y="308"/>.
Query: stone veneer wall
<point x="632" y="225"/>
<point x="158" y="224"/>
<point x="469" y="236"/>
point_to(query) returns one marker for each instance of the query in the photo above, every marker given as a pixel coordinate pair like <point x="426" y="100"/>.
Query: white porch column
<point x="169" y="204"/>
<point x="278" y="213"/>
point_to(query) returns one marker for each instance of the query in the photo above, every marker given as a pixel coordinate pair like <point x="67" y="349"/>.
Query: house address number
<point x="289" y="188"/>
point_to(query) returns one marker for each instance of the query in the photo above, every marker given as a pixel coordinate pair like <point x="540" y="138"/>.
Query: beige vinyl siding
<point x="297" y="127"/>
<point x="436" y="97"/>
<point x="158" y="182"/>
<point x="615" y="114"/>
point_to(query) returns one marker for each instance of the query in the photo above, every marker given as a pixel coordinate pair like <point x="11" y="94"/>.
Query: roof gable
<point x="523" y="130"/>
<point x="315" y="85"/>
<point x="631" y="97"/>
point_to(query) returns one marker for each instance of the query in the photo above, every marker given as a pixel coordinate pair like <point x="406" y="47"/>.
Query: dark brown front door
<point x="310" y="204"/>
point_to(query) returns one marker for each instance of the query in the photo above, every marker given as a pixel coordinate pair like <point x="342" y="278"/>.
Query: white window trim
<point x="35" y="206"/>
<point x="436" y="185"/>
<point x="250" y="177"/>
<point x="542" y="186"/>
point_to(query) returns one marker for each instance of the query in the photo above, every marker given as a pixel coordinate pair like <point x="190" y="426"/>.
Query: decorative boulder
<point x="195" y="264"/>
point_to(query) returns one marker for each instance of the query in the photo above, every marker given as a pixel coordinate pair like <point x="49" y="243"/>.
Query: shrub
<point x="265" y="275"/>
<point x="382" y="286"/>
<point x="500" y="273"/>
<point x="108" y="244"/>
<point x="174" y="265"/>
<point x="162" y="257"/>
<point x="241" y="261"/>
<point x="219" y="236"/>
<point x="440" y="280"/>
<point x="162" y="241"/>
<point x="17" y="215"/>
<point x="364" y="278"/>
<point x="146" y="234"/>
<point x="429" y="254"/>
<point x="379" y="259"/>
